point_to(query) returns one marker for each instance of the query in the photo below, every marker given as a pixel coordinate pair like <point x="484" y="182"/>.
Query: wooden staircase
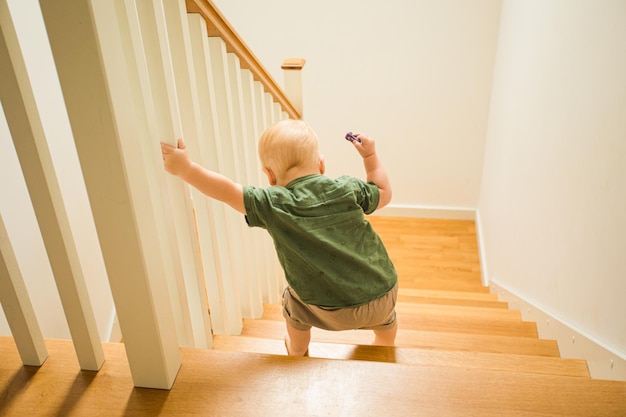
<point x="443" y="310"/>
<point x="447" y="320"/>
<point x="460" y="352"/>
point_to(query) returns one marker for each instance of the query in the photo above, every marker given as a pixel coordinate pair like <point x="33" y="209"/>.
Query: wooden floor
<point x="460" y="352"/>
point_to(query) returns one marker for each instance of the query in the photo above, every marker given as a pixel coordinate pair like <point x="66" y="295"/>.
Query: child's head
<point x="288" y="144"/>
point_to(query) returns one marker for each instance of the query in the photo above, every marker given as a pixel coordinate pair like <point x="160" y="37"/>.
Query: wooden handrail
<point x="218" y="26"/>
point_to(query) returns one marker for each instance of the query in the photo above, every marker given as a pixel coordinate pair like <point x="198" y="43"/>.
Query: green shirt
<point x="331" y="255"/>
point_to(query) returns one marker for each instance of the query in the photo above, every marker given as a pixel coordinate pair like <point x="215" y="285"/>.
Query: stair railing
<point x="218" y="26"/>
<point x="87" y="103"/>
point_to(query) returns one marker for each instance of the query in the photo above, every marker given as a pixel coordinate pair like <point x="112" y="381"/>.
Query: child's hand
<point x="367" y="147"/>
<point x="175" y="160"/>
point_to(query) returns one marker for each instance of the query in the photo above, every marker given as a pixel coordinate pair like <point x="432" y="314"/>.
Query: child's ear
<point x="322" y="165"/>
<point x="271" y="178"/>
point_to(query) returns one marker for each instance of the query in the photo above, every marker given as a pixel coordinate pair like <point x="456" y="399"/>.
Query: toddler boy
<point x="338" y="272"/>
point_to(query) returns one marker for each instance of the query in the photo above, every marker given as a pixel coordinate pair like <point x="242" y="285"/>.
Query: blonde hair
<point x="288" y="144"/>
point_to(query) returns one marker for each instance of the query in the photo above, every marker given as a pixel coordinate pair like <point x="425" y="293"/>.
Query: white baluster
<point x="17" y="306"/>
<point x="121" y="163"/>
<point x="34" y="106"/>
<point x="154" y="63"/>
<point x="227" y="164"/>
<point x="275" y="273"/>
<point x="269" y="109"/>
<point x="189" y="111"/>
<point x="221" y="292"/>
<point x="250" y="292"/>
<point x="278" y="112"/>
<point x="267" y="250"/>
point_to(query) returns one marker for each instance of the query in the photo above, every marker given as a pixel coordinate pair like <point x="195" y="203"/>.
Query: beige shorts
<point x="378" y="314"/>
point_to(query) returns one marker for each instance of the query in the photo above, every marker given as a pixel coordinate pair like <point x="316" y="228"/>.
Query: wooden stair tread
<point x="454" y="319"/>
<point x="459" y="319"/>
<point x="462" y="295"/>
<point x="416" y="338"/>
<point x="412" y="356"/>
<point x="453" y="302"/>
<point x="423" y="226"/>
<point x="439" y="279"/>
<point x="431" y="280"/>
<point x="479" y="313"/>
<point x="459" y="298"/>
<point x="233" y="383"/>
<point x="432" y="254"/>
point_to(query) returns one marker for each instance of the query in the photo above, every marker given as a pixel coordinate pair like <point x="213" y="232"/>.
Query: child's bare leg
<point x="386" y="337"/>
<point x="297" y="341"/>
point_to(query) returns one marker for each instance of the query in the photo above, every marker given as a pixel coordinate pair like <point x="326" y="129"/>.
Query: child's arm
<point x="374" y="168"/>
<point x="177" y="162"/>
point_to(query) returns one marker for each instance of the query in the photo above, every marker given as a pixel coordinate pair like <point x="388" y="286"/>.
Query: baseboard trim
<point x="603" y="362"/>
<point x="428" y="212"/>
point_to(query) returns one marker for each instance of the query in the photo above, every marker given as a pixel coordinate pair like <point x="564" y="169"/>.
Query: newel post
<point x="292" y="68"/>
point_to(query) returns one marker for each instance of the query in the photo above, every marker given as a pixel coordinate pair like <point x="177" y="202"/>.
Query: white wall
<point x="414" y="74"/>
<point x="553" y="200"/>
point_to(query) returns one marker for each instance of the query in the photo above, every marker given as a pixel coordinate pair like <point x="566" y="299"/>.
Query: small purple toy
<point x="352" y="138"/>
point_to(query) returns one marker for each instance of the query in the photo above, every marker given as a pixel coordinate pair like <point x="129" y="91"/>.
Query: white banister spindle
<point x="278" y="112"/>
<point x="254" y="173"/>
<point x="251" y="292"/>
<point x="256" y="126"/>
<point x="134" y="73"/>
<point x="35" y="113"/>
<point x="270" y="289"/>
<point x="221" y="288"/>
<point x="234" y="141"/>
<point x="228" y="164"/>
<point x="150" y="125"/>
<point x="259" y="104"/>
<point x="274" y="115"/>
<point x="104" y="94"/>
<point x="269" y="108"/>
<point x="163" y="112"/>
<point x="269" y="103"/>
<point x="184" y="73"/>
<point x="17" y="306"/>
<point x="274" y="275"/>
<point x="251" y="133"/>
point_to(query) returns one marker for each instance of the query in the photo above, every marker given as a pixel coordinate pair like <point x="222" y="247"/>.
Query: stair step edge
<point x="414" y="356"/>
<point x="417" y="338"/>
